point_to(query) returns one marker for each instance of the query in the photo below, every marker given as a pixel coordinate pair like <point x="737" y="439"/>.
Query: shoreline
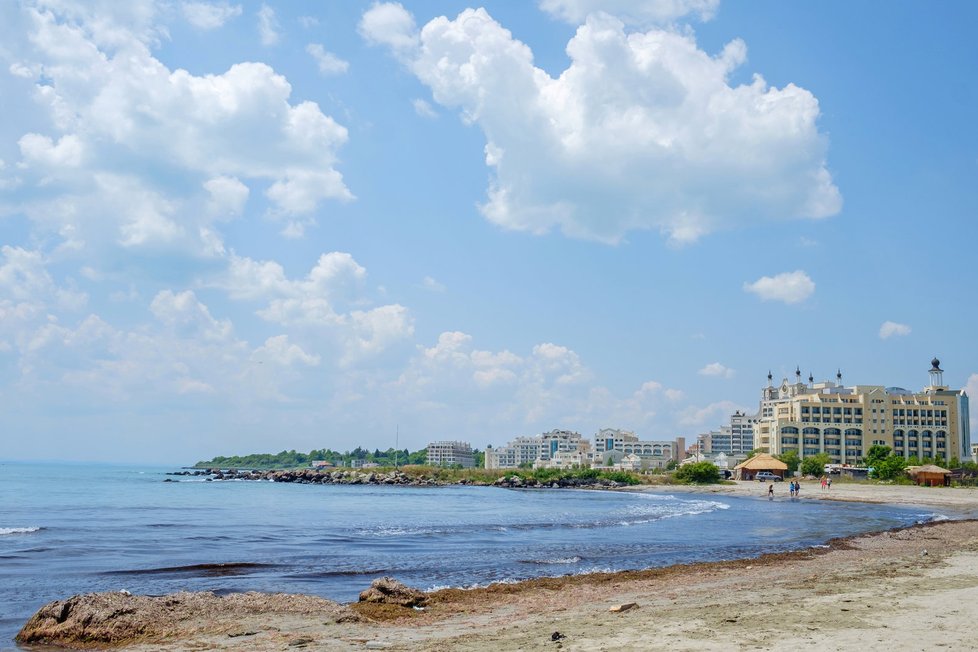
<point x="679" y="605"/>
<point x="958" y="498"/>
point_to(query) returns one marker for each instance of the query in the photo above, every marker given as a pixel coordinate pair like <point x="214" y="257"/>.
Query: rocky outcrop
<point x="387" y="590"/>
<point x="516" y="482"/>
<point x="99" y="620"/>
<point x="395" y="477"/>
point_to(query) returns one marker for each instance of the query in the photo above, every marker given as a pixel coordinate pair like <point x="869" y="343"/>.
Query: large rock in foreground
<point x="109" y="619"/>
<point x="387" y="590"/>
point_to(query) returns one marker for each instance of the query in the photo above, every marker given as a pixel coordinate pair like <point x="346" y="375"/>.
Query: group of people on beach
<point x="826" y="482"/>
<point x="794" y="489"/>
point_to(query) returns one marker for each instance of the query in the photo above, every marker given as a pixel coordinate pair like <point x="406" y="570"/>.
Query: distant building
<point x="609" y="441"/>
<point x="363" y="464"/>
<point x="450" y="453"/>
<point x="557" y="446"/>
<point x="845" y="422"/>
<point x="735" y="439"/>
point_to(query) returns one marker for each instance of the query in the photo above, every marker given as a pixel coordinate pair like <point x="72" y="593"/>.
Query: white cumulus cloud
<point x="642" y="131"/>
<point x="788" y="287"/>
<point x="389" y="24"/>
<point x="893" y="329"/>
<point x="326" y="302"/>
<point x="142" y="155"/>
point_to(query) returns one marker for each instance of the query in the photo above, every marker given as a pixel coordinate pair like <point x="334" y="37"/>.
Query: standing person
<point x="824" y="483"/>
<point x="830" y="482"/>
<point x="770" y="491"/>
<point x="791" y="489"/>
<point x="798" y="489"/>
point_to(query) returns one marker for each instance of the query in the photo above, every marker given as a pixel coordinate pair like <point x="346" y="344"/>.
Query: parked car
<point x="767" y="476"/>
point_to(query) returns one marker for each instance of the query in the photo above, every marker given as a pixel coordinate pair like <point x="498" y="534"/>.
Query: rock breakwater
<point x="395" y="477"/>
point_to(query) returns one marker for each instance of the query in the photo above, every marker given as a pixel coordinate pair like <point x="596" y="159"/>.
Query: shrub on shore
<point x="698" y="473"/>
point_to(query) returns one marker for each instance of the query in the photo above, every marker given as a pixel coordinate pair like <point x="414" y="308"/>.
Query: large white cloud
<point x="642" y="131"/>
<point x="118" y="116"/>
<point x="633" y="12"/>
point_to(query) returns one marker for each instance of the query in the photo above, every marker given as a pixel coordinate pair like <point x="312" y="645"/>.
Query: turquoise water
<point x="67" y="529"/>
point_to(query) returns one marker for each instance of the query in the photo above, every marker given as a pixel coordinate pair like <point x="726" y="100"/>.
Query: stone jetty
<point x="395" y="477"/>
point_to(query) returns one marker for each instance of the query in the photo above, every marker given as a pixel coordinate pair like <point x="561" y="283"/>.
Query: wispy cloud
<point x="716" y="369"/>
<point x="329" y="63"/>
<point x="268" y="27"/>
<point x="209" y="15"/>
<point x="431" y="284"/>
<point x="422" y="108"/>
<point x="893" y="329"/>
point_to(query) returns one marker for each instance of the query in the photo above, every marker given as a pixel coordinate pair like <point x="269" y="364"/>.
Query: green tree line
<point x="293" y="459"/>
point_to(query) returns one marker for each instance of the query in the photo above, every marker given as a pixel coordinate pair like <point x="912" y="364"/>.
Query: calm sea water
<point x="67" y="529"/>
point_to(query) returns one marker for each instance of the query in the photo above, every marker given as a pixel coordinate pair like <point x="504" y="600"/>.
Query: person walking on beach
<point x="798" y="489"/>
<point x="830" y="482"/>
<point x="791" y="489"/>
<point x="824" y="482"/>
<point x="770" y="491"/>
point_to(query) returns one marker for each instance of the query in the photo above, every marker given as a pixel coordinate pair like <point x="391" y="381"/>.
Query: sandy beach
<point x="910" y="589"/>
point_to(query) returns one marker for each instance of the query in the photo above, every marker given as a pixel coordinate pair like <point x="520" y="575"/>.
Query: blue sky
<point x="232" y="227"/>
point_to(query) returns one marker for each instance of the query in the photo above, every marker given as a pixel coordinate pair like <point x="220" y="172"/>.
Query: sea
<point x="78" y="528"/>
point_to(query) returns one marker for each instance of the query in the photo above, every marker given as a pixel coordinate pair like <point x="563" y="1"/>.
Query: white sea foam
<point x="18" y="530"/>
<point x="558" y="560"/>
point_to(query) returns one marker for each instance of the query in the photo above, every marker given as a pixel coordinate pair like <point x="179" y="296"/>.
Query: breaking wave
<point x="18" y="530"/>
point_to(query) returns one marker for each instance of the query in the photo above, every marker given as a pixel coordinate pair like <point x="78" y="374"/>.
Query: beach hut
<point x="747" y="469"/>
<point x="930" y="475"/>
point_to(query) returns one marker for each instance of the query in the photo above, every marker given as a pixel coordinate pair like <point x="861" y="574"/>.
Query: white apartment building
<point x="608" y="440"/>
<point x="844" y="422"/>
<point x="450" y="453"/>
<point x="544" y="447"/>
<point x="735" y="439"/>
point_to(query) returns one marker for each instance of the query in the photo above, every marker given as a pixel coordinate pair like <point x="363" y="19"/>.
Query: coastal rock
<point x="387" y="590"/>
<point x="96" y="620"/>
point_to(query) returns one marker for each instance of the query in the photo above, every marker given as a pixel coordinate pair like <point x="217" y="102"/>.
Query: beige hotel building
<point x="844" y="422"/>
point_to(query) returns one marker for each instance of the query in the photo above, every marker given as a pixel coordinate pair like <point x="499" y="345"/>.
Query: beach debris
<point x="376" y="645"/>
<point x="301" y="642"/>
<point x="387" y="590"/>
<point x="556" y="636"/>
<point x="618" y="608"/>
<point x="237" y="634"/>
